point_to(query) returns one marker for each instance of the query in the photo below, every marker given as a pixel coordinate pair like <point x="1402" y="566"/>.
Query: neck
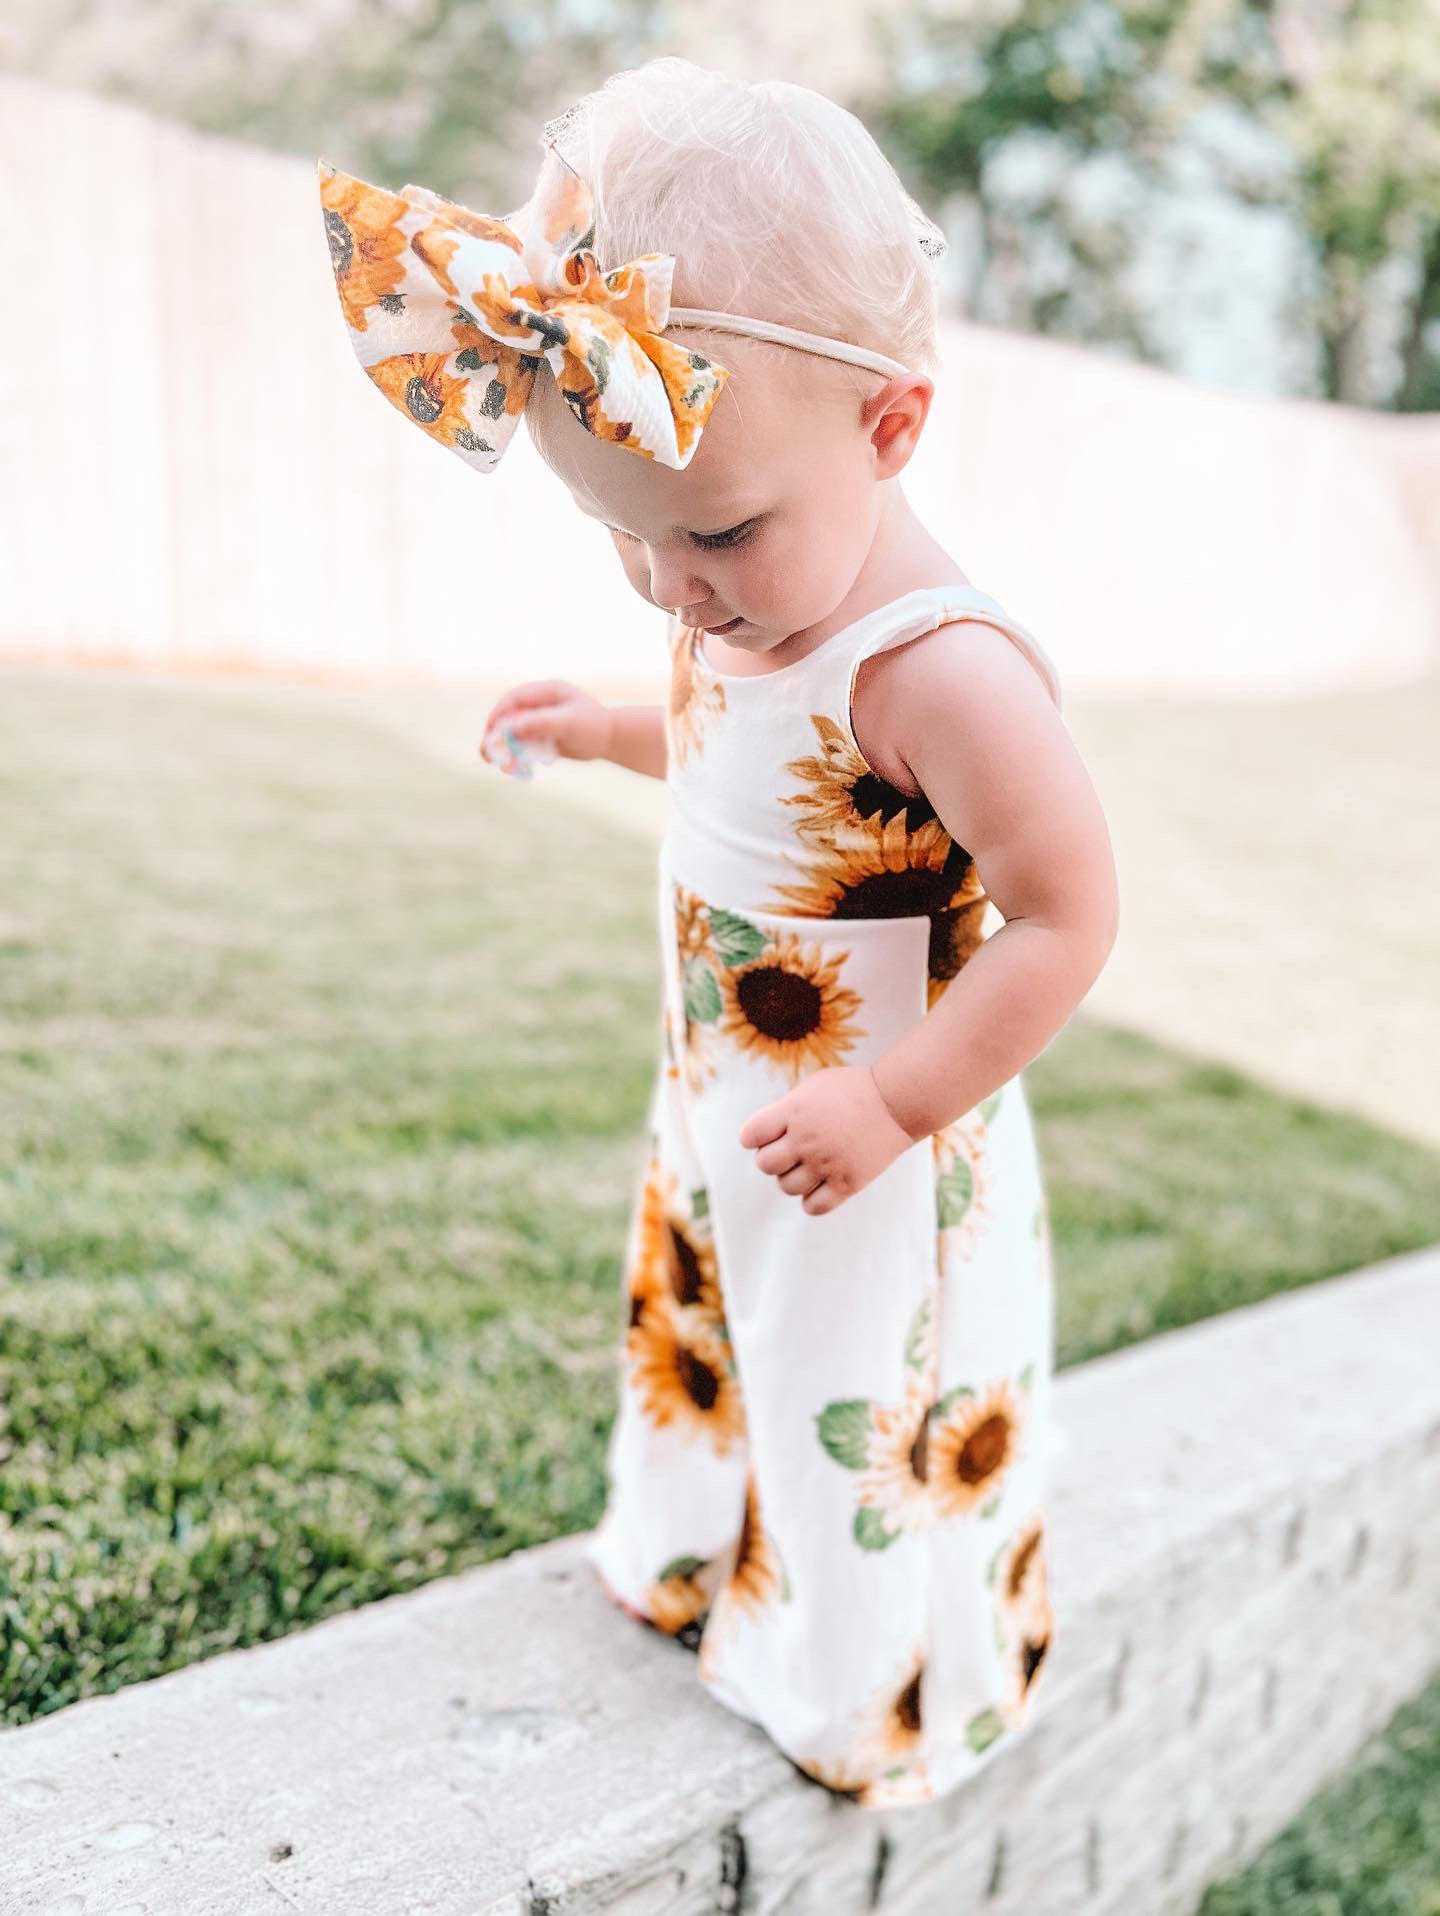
<point x="901" y="556"/>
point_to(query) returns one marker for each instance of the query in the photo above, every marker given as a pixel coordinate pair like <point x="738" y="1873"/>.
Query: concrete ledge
<point x="1246" y="1577"/>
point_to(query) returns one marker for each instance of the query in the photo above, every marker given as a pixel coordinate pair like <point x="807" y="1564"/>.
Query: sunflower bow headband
<point x="450" y="313"/>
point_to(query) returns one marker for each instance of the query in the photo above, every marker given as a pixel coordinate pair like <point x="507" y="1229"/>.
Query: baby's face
<point x="773" y="517"/>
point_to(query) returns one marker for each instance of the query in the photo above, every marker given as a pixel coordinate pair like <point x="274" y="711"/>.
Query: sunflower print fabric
<point x="828" y="1470"/>
<point x="451" y="312"/>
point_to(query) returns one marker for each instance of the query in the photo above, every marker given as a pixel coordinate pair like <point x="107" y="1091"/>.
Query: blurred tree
<point x="449" y="93"/>
<point x="1326" y="111"/>
<point x="1049" y="130"/>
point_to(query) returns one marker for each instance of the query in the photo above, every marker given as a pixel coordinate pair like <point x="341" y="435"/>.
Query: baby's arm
<point x="978" y="729"/>
<point x="637" y="738"/>
<point x="578" y="726"/>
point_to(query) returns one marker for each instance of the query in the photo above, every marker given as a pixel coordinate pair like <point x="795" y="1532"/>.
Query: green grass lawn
<point x="322" y="1084"/>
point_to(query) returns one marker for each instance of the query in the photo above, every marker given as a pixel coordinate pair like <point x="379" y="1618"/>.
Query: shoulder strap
<point x="935" y="606"/>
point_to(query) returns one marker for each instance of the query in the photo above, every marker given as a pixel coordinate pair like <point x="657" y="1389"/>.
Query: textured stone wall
<point x="1246" y="1578"/>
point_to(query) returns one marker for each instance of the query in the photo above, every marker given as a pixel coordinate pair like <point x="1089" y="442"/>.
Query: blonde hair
<point x="775" y="201"/>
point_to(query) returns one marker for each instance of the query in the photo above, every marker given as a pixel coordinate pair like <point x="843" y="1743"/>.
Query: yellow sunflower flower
<point x="693" y="706"/>
<point x="674" y="1252"/>
<point x="888" y="873"/>
<point x="788" y="1007"/>
<point x="891" y="1727"/>
<point x="1020" y="1573"/>
<point x="757" y="1580"/>
<point x="844" y="795"/>
<point x="956" y="934"/>
<point x="680" y="1370"/>
<point x="887" y="1445"/>
<point x="362" y="224"/>
<point x="419" y="384"/>
<point x="678" y="1597"/>
<point x="1023" y="1653"/>
<point x="974" y="1441"/>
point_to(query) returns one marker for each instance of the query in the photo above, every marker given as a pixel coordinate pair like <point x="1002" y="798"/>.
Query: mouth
<point x="719" y="631"/>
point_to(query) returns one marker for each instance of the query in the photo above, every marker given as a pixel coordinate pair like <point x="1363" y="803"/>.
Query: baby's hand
<point x="826" y="1139"/>
<point x="549" y="711"/>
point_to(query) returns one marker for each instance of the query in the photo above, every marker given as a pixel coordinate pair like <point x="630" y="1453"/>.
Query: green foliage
<point x="1340" y="118"/>
<point x="448" y="93"/>
<point x="1369" y="1845"/>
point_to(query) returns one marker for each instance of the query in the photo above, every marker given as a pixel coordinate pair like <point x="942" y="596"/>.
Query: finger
<point x="801" y="1181"/>
<point x="777" y="1157"/>
<point x="541" y="692"/>
<point x="822" y="1199"/>
<point x="762" y="1127"/>
<point x="532" y="724"/>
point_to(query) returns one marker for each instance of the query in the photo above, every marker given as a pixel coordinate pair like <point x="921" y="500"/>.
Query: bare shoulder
<point x="966" y="675"/>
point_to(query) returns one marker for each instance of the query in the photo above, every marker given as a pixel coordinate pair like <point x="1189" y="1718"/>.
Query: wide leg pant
<point x="828" y="1465"/>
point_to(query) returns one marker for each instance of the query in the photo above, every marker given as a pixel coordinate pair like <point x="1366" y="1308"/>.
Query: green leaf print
<point x="991" y="1104"/>
<point x="954" y="1192"/>
<point x="736" y="939"/>
<point x="682" y="1567"/>
<point x="943" y="1405"/>
<point x="1025" y="1377"/>
<point x="844" y="1430"/>
<point x="599" y="360"/>
<point x="990" y="1575"/>
<point x="702" y="993"/>
<point x="700" y="1203"/>
<point x="982" y="1730"/>
<point x="989" y="1509"/>
<point x="915" y="1340"/>
<point x="870" y="1531"/>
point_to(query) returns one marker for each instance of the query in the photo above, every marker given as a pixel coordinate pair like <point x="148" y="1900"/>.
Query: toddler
<point x="886" y="885"/>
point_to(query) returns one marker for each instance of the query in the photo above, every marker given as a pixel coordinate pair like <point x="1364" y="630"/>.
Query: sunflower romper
<point x="827" y="1470"/>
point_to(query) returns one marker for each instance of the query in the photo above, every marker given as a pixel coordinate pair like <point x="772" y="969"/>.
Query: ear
<point x="893" y="416"/>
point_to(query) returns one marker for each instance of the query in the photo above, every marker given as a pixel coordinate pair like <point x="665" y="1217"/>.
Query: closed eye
<point x="707" y="541"/>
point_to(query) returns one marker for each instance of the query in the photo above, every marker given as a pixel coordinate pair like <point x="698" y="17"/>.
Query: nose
<point x="676" y="589"/>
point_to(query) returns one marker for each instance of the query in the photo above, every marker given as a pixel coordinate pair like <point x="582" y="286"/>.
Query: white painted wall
<point x="194" y="472"/>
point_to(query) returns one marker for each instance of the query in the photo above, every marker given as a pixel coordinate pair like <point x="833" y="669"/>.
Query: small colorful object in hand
<point x="514" y="755"/>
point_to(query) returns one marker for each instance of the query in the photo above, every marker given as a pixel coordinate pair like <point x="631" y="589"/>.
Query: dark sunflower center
<point x="422" y="401"/>
<point x="746" y="1544"/>
<point x="1022" y="1563"/>
<point x="340" y="240"/>
<point x="870" y="794"/>
<point x="697" y="1378"/>
<point x="904" y="894"/>
<point x="954" y="938"/>
<point x="907" y="1704"/>
<point x="780" y="1004"/>
<point x="983" y="1449"/>
<point x="637" y="1308"/>
<point x="1034" y="1656"/>
<point x="684" y="1268"/>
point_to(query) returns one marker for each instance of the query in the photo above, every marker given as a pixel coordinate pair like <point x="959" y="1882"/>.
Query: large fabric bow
<point x="450" y="312"/>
